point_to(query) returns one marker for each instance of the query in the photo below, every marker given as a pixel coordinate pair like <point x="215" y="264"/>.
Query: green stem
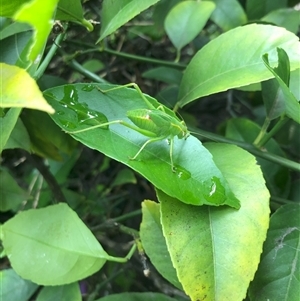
<point x="144" y="59"/>
<point x="262" y="133"/>
<point x="88" y="74"/>
<point x="272" y="132"/>
<point x="139" y="58"/>
<point x="252" y="149"/>
<point x="123" y="259"/>
<point x="46" y="61"/>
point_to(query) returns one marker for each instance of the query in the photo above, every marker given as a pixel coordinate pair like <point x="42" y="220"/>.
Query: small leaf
<point x="277" y="277"/>
<point x="154" y="242"/>
<point x="60" y="247"/>
<point x="164" y="74"/>
<point x="11" y="194"/>
<point x="13" y="287"/>
<point x="185" y="21"/>
<point x="196" y="180"/>
<point x="20" y="90"/>
<point x="216" y="250"/>
<point x="228" y="14"/>
<point x="218" y="66"/>
<point x="283" y="100"/>
<point x="117" y="13"/>
<point x="62" y="292"/>
<point x="37" y="13"/>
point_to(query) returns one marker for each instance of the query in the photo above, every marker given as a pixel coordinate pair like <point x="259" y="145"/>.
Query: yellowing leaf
<point x="19" y="89"/>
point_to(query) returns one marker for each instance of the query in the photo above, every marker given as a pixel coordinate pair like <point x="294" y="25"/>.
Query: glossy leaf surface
<point x="218" y="66"/>
<point x="20" y="90"/>
<point x="278" y="276"/>
<point x="196" y="179"/>
<point x="185" y="21"/>
<point x="216" y="251"/>
<point x="51" y="246"/>
<point x="117" y="13"/>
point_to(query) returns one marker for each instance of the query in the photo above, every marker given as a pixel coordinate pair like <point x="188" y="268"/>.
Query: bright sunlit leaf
<point x="19" y="89"/>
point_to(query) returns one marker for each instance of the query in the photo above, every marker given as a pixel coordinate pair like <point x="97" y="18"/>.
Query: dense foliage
<point x="108" y="193"/>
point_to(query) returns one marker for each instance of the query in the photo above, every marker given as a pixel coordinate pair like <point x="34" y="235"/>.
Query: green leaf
<point x="47" y="140"/>
<point x="14" y="48"/>
<point x="19" y="137"/>
<point x="11" y="194"/>
<point x="257" y="8"/>
<point x="216" y="251"/>
<point x="8" y="123"/>
<point x="288" y="18"/>
<point x="283" y="100"/>
<point x="277" y="177"/>
<point x="19" y="90"/>
<point x="277" y="277"/>
<point x="154" y="242"/>
<point x="164" y="74"/>
<point x="60" y="247"/>
<point x="117" y="13"/>
<point x="37" y="13"/>
<point x="219" y="65"/>
<point x="8" y="7"/>
<point x="13" y="287"/>
<point x="71" y="10"/>
<point x="137" y="297"/>
<point x="228" y="14"/>
<point x="185" y="20"/>
<point x="196" y="181"/>
<point x="62" y="292"/>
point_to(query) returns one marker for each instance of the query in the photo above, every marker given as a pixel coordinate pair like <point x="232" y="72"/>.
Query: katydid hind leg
<point x="144" y="145"/>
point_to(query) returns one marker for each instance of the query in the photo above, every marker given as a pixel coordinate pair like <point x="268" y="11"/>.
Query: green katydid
<point x="155" y="122"/>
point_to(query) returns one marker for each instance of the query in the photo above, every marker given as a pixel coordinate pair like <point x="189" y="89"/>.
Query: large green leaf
<point x="196" y="179"/>
<point x="234" y="60"/>
<point x="154" y="242"/>
<point x="278" y="275"/>
<point x="13" y="287"/>
<point x="51" y="246"/>
<point x="216" y="251"/>
<point x="117" y="13"/>
<point x="228" y="14"/>
<point x="39" y="14"/>
<point x="186" y="20"/>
